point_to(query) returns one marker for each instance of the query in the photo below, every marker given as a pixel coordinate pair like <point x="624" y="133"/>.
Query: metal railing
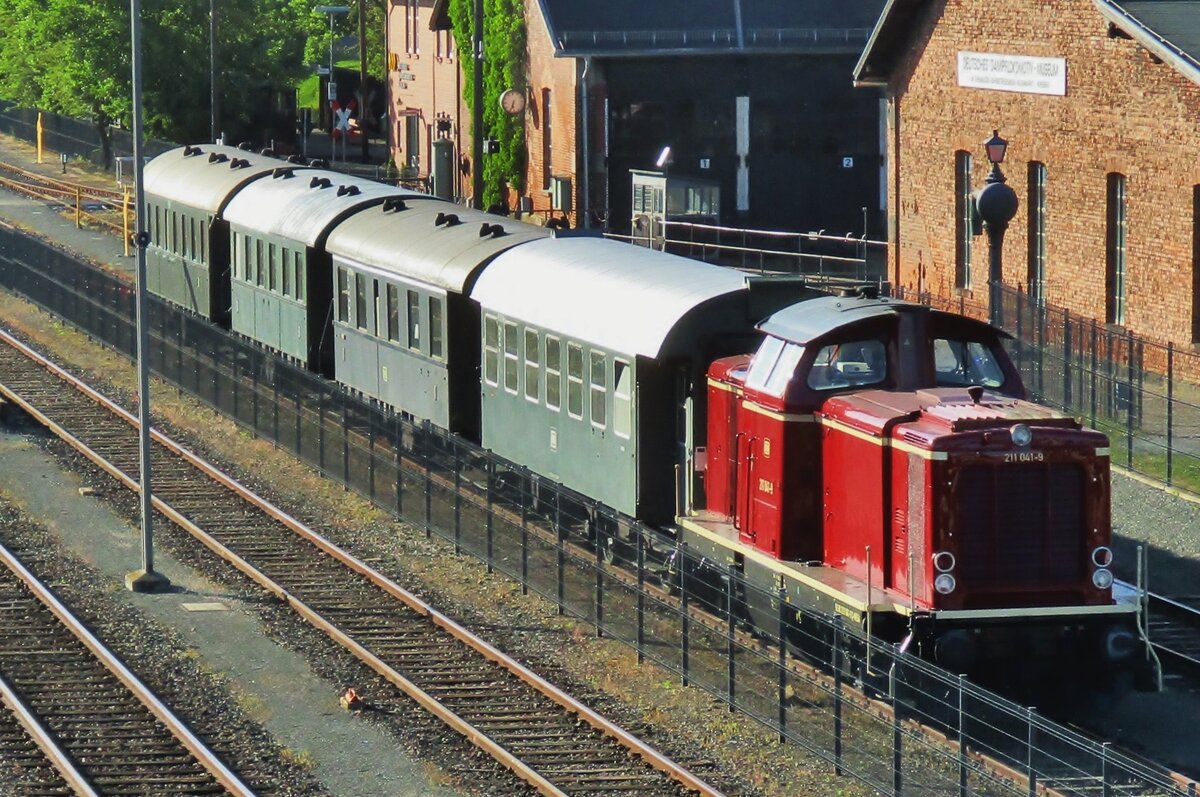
<point x="552" y="541"/>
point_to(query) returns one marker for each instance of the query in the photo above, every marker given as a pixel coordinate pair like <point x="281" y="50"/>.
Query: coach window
<point x="393" y="313"/>
<point x="435" y="327"/>
<point x="512" y="355"/>
<point x="343" y="286"/>
<point x="553" y="372"/>
<point x="360" y="301"/>
<point x="622" y="398"/>
<point x="574" y="380"/>
<point x="380" y="326"/>
<point x="414" y="320"/>
<point x="234" y="254"/>
<point x="491" y="350"/>
<point x="259" y="265"/>
<point x="598" y="390"/>
<point x="285" y="271"/>
<point x="299" y="276"/>
<point x="533" y="365"/>
<point x="247" y="258"/>
<point x="174" y="233"/>
<point x="271" y="284"/>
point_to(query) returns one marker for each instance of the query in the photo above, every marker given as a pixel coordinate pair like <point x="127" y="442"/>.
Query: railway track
<point x="97" y="205"/>
<point x="90" y="726"/>
<point x="541" y="734"/>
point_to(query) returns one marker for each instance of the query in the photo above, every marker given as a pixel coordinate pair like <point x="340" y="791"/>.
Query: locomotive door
<point x="684" y="441"/>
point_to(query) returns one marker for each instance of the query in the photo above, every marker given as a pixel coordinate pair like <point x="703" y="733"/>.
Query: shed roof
<point x="621" y="297"/>
<point x="205" y="177"/>
<point x="638" y="28"/>
<point x="1170" y="29"/>
<point x="304" y="205"/>
<point x="410" y="242"/>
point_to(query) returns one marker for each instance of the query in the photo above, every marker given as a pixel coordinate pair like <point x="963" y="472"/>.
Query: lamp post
<point x="331" y="91"/>
<point x="996" y="204"/>
<point x="214" y="91"/>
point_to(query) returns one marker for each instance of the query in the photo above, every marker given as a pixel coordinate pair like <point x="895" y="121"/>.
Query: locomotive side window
<point x="532" y="364"/>
<point x="849" y="364"/>
<point x="785" y="368"/>
<point x="622" y="398"/>
<point x="512" y="354"/>
<point x="553" y="372"/>
<point x="393" y="313"/>
<point x="435" y="327"/>
<point x="598" y="394"/>
<point x="960" y="363"/>
<point x="343" y="290"/>
<point x="574" y="380"/>
<point x="491" y="350"/>
<point x="763" y="362"/>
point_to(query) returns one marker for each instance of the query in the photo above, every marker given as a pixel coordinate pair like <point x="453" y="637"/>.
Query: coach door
<point x="685" y="441"/>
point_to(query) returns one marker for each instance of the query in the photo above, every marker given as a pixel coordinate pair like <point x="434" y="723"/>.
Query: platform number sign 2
<point x="847" y="163"/>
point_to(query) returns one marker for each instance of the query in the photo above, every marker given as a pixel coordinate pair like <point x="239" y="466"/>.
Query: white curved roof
<point x="625" y="298"/>
<point x="410" y="242"/>
<point x="206" y="175"/>
<point x="304" y="205"/>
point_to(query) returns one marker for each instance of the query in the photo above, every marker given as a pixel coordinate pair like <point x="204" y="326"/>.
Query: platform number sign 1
<point x="847" y="163"/>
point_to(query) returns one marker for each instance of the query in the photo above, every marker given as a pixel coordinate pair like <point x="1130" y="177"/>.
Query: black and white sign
<point x="1024" y="74"/>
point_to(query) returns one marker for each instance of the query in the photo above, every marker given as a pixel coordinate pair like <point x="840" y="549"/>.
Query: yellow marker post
<point x="39" y="136"/>
<point x="125" y="222"/>
<point x="78" y="207"/>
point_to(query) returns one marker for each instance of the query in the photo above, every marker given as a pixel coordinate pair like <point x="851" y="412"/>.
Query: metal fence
<point x="862" y="707"/>
<point x="73" y="137"/>
<point x="1142" y="393"/>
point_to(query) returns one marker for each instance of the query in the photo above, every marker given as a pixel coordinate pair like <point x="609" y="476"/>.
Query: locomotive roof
<point x="204" y="177"/>
<point x="304" y="205"/>
<point x="809" y="320"/>
<point x="622" y="297"/>
<point x="417" y="240"/>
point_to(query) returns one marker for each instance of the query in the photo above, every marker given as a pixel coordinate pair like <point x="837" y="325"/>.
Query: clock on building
<point x="512" y="101"/>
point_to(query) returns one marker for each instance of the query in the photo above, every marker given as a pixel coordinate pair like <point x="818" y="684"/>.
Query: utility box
<point x="442" y="173"/>
<point x="560" y="194"/>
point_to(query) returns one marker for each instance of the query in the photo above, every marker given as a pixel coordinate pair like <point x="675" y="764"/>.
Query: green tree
<point x="503" y="69"/>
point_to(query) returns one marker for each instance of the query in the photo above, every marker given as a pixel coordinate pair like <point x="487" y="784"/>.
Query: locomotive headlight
<point x="1022" y="435"/>
<point x="1102" y="556"/>
<point x="1102" y="578"/>
<point x="943" y="561"/>
<point x="945" y="583"/>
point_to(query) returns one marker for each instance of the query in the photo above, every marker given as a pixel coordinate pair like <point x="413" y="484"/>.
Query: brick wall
<point x="1122" y="113"/>
<point x="558" y="77"/>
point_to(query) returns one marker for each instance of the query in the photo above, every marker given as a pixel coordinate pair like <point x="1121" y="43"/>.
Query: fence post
<point x="525" y="499"/>
<point x="78" y="206"/>
<point x="255" y="362"/>
<point x="1105" y="787"/>
<point x="320" y="429"/>
<point x="838" y="663"/>
<point x="491" y="512"/>
<point x="641" y="597"/>
<point x="730" y="644"/>
<point x="1067" y="401"/>
<point x="1170" y="408"/>
<point x="562" y="551"/>
<point x="782" y="664"/>
<point x="345" y="439"/>
<point x="1020" y="328"/>
<point x="599" y="565"/>
<point x="457" y="502"/>
<point x="1040" y="321"/>
<point x="370" y="447"/>
<point x="1029" y="751"/>
<point x="428" y="478"/>
<point x="685" y="625"/>
<point x="397" y="448"/>
<point x="1094" y="368"/>
<point x="897" y="739"/>
<point x="1129" y="409"/>
<point x="962" y="736"/>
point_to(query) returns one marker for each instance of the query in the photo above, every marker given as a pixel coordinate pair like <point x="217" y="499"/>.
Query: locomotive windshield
<point x="849" y="364"/>
<point x="960" y="363"/>
<point x="773" y="366"/>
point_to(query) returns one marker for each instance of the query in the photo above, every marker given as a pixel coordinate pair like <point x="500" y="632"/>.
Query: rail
<point x="79" y="198"/>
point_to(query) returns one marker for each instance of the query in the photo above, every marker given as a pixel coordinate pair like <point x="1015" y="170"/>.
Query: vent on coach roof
<point x="394" y="203"/>
<point x="319" y="182"/>
<point x="239" y="163"/>
<point x="295" y="159"/>
<point x="319" y="163"/>
<point x="348" y="190"/>
<point x="217" y="157"/>
<point x="493" y="230"/>
<point x="189" y="151"/>
<point x="283" y="172"/>
<point x="449" y="219"/>
<point x="268" y="152"/>
<point x="245" y="145"/>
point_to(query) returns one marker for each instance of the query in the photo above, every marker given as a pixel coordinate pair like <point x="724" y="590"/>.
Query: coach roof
<point x="625" y="298"/>
<point x="205" y="177"/>
<point x="304" y="205"/>
<point x="427" y="240"/>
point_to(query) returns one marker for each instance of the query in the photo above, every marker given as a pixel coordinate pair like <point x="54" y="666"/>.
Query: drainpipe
<point x="585" y="173"/>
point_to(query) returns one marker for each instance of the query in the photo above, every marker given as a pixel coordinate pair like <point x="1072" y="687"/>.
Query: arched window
<point x="1115" y="282"/>
<point x="1036" y="208"/>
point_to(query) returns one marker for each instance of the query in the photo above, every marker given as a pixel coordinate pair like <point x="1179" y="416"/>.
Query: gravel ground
<point x="165" y="663"/>
<point x="1169" y="528"/>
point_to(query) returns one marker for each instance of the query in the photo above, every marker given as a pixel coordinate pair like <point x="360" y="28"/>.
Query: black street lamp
<point x="995" y="204"/>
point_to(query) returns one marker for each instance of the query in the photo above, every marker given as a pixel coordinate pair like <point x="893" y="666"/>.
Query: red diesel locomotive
<point x="876" y="460"/>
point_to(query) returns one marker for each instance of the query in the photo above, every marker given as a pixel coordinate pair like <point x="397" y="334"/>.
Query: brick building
<point x="1099" y="101"/>
<point x="754" y="95"/>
